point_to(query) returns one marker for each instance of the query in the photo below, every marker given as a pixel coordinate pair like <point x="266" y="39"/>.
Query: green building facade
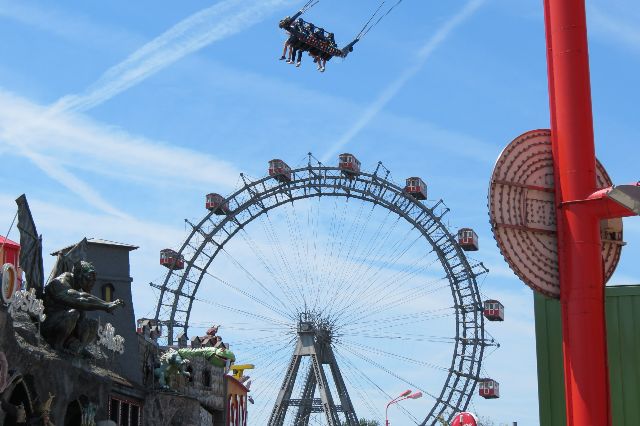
<point x="623" y="341"/>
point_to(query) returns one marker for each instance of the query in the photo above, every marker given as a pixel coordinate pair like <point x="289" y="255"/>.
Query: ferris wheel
<point x="364" y="270"/>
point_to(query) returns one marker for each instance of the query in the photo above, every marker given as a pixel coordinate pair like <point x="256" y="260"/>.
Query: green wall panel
<point x="623" y="340"/>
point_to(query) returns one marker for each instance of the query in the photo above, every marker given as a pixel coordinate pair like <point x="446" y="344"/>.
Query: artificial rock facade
<point x="111" y="387"/>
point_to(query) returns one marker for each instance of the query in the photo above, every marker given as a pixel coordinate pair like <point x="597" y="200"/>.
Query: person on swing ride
<point x="286" y="43"/>
<point x="332" y="40"/>
<point x="319" y="57"/>
<point x="293" y="44"/>
<point x="296" y="48"/>
<point x="287" y="46"/>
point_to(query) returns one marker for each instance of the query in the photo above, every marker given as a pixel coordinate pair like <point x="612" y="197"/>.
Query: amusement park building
<point x="119" y="387"/>
<point x="623" y="342"/>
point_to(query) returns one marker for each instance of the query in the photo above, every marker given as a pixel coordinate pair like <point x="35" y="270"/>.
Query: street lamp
<point x="404" y="395"/>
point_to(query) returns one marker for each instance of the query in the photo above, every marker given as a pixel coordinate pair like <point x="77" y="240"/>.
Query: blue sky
<point x="116" y="119"/>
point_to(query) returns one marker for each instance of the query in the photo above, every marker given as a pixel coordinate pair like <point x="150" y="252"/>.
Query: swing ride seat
<point x="325" y="48"/>
<point x="309" y="41"/>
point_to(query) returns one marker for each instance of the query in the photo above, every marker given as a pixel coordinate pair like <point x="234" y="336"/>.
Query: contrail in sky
<point x="207" y="26"/>
<point x="394" y="88"/>
<point x="224" y="19"/>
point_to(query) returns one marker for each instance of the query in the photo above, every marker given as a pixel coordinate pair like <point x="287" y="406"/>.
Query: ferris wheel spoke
<point x="263" y="287"/>
<point x="303" y="257"/>
<point x="266" y="339"/>
<point x="400" y="317"/>
<point x="284" y="314"/>
<point x="386" y="395"/>
<point x="279" y="250"/>
<point x="386" y="253"/>
<point x="388" y="371"/>
<point x="390" y="286"/>
<point x="277" y="279"/>
<point x="302" y="261"/>
<point x="335" y="239"/>
<point x="350" y="238"/>
<point x="356" y="384"/>
<point x="329" y="241"/>
<point x="247" y="313"/>
<point x="377" y="351"/>
<point x="403" y="325"/>
<point x="401" y="297"/>
<point x="263" y="385"/>
<point x="405" y="274"/>
<point x="322" y="249"/>
<point x="376" y="252"/>
<point x="261" y="353"/>
<point x="369" y="288"/>
<point x="264" y="359"/>
<point x="403" y="337"/>
<point x="275" y="370"/>
<point x="314" y="226"/>
<point x="394" y="258"/>
<point x="373" y="304"/>
<point x="341" y="284"/>
<point x="278" y="266"/>
<point x="371" y="307"/>
<point x="369" y="247"/>
<point x="207" y="325"/>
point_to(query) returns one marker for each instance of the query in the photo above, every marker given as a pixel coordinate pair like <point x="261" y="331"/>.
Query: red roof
<point x="8" y="243"/>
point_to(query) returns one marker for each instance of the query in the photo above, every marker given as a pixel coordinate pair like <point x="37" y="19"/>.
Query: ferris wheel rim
<point x="320" y="177"/>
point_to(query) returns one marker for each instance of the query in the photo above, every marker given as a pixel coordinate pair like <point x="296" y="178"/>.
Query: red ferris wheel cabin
<point x="468" y="239"/>
<point x="349" y="165"/>
<point x="171" y="259"/>
<point x="489" y="389"/>
<point x="280" y="171"/>
<point x="217" y="204"/>
<point x="416" y="188"/>
<point x="493" y="310"/>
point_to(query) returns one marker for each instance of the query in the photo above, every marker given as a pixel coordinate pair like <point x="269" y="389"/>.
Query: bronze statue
<point x="66" y="298"/>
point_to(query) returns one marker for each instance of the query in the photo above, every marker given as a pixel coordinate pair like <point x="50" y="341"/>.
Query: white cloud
<point x="394" y="88"/>
<point x="56" y="143"/>
<point x="74" y="27"/>
<point x="48" y="137"/>
<point x="207" y="26"/>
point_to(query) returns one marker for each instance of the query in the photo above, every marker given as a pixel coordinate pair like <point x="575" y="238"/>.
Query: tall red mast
<point x="579" y="211"/>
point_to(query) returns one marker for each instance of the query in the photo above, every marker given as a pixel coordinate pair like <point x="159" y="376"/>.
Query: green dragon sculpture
<point x="171" y="364"/>
<point x="217" y="357"/>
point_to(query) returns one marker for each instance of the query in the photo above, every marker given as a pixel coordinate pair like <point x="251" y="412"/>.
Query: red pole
<point x="579" y="252"/>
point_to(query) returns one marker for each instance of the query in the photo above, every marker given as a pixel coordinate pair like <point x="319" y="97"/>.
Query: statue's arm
<point x="81" y="300"/>
<point x="88" y="301"/>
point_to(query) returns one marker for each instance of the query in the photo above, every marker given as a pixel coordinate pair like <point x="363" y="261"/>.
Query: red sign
<point x="464" y="419"/>
<point x="522" y="211"/>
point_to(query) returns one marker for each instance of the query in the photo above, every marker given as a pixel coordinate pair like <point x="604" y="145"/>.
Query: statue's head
<point x="84" y="276"/>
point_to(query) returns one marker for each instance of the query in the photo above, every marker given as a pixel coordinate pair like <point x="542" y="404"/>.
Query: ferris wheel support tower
<point x="314" y="341"/>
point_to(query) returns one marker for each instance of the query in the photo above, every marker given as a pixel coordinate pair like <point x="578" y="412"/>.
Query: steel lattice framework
<point x="208" y="237"/>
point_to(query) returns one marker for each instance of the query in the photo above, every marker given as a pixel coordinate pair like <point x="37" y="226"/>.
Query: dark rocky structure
<point x="109" y="387"/>
<point x="111" y="262"/>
